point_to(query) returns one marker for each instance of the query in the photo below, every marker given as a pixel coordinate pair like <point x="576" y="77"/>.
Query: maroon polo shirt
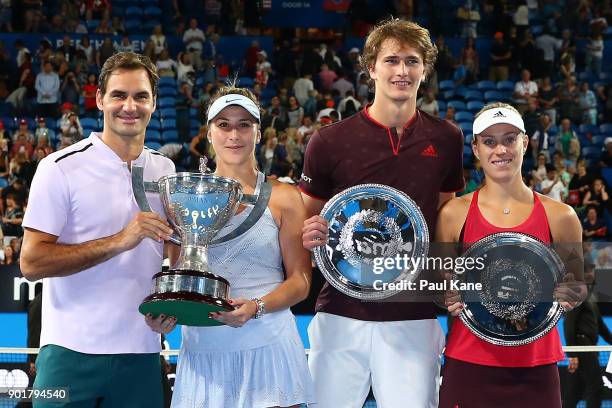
<point x="426" y="159"/>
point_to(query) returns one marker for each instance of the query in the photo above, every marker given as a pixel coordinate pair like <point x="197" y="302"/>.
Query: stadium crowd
<point x="565" y="94"/>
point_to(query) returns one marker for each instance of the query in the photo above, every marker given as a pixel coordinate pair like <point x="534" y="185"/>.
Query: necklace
<point x="506" y="211"/>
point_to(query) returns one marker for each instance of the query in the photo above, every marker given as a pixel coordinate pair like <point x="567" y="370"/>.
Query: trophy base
<point x="190" y="309"/>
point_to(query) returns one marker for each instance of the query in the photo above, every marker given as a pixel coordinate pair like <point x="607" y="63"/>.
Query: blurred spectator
<point x="6" y="16"/>
<point x="117" y="25"/>
<point x="468" y="16"/>
<point x="263" y="69"/>
<point x="47" y="86"/>
<point x="3" y="132"/>
<point x="310" y="107"/>
<point x="72" y="131"/>
<point x="88" y="48"/>
<point x="296" y="147"/>
<point x="184" y="101"/>
<point x="43" y="130"/>
<point x="194" y="38"/>
<point x="267" y="152"/>
<point x="166" y="66"/>
<point x="552" y="186"/>
<point x="540" y="141"/>
<point x="4" y="159"/>
<point x="184" y="66"/>
<point x="547" y="99"/>
<point x="579" y="185"/>
<point x="205" y="96"/>
<point x="97" y="9"/>
<point x="70" y="89"/>
<point x="104" y="27"/>
<point x="501" y="57"/>
<point x="21" y="51"/>
<point x="302" y="86"/>
<point x="549" y="46"/>
<point x="597" y="196"/>
<point x="105" y="51"/>
<point x="328" y="116"/>
<point x="594" y="227"/>
<point x="594" y="54"/>
<point x="306" y="130"/>
<point x="567" y="63"/>
<point x="20" y="166"/>
<point x="427" y="103"/>
<point x="568" y="143"/>
<point x="449" y="116"/>
<point x="23" y="130"/>
<point x="43" y="142"/>
<point x="250" y="59"/>
<point x="326" y="77"/>
<point x="588" y="104"/>
<point x="470" y="60"/>
<point x="125" y="45"/>
<point x="295" y="113"/>
<point x="212" y="11"/>
<point x="33" y="15"/>
<point x="525" y="90"/>
<point x="26" y="86"/>
<point x="44" y="51"/>
<point x="89" y="96"/>
<point x="159" y="39"/>
<point x="198" y="148"/>
<point x="274" y="120"/>
<point x="539" y="172"/>
<point x="520" y="18"/>
<point x="22" y="146"/>
<point x="16" y="187"/>
<point x="605" y="160"/>
<point x="349" y="105"/>
<point x="567" y="96"/>
<point x="67" y="49"/>
<point x="342" y="85"/>
<point x="9" y="257"/>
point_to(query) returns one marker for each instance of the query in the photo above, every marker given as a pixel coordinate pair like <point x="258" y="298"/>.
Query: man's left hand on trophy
<point x="161" y="324"/>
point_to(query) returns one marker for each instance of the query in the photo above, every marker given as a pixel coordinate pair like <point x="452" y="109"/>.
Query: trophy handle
<point x="140" y="187"/>
<point x="248" y="199"/>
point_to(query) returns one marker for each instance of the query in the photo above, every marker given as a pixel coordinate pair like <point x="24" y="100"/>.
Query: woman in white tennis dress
<point x="257" y="359"/>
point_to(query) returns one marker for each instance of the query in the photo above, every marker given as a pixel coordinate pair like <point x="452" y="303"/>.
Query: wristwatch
<point x="261" y="308"/>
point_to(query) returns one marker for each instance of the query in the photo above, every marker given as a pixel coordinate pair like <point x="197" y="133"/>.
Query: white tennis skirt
<point x="273" y="375"/>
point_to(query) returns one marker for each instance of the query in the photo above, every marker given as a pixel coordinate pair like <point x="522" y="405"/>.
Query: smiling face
<point x="128" y="103"/>
<point x="398" y="71"/>
<point x="234" y="133"/>
<point x="500" y="149"/>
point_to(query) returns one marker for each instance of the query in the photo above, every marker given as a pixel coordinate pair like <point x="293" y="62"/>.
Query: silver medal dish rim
<point x="381" y="191"/>
<point x="168" y="184"/>
<point x="555" y="266"/>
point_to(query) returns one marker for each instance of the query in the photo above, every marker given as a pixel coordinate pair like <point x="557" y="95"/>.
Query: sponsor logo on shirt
<point x="429" y="151"/>
<point x="306" y="178"/>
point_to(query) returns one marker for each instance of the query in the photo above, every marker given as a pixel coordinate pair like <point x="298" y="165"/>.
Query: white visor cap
<point x="497" y="115"/>
<point x="233" y="99"/>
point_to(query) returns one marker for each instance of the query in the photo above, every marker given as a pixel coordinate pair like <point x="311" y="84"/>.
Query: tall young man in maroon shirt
<point x="394" y="347"/>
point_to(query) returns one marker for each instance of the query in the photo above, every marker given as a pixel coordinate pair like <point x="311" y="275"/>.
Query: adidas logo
<point x="499" y="114"/>
<point x="430" y="151"/>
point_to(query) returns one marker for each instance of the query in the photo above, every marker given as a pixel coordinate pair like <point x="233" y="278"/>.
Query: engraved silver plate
<point x="370" y="223"/>
<point x="515" y="305"/>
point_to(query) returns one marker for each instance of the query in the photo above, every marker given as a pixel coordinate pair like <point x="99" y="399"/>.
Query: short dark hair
<point x="130" y="61"/>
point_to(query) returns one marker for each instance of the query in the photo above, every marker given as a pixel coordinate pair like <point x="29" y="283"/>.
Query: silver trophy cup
<point x="197" y="207"/>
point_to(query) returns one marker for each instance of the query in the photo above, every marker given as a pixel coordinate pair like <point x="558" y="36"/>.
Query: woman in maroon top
<point x="478" y="374"/>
